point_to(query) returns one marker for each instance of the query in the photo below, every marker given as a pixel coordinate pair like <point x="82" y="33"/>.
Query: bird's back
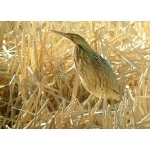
<point x="97" y="75"/>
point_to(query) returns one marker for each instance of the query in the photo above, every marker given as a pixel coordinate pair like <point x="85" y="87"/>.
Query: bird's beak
<point x="61" y="33"/>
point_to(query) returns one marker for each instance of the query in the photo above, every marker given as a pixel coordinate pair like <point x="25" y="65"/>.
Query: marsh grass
<point x="40" y="87"/>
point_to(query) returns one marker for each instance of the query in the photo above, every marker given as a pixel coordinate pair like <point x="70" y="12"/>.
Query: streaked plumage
<point x="96" y="74"/>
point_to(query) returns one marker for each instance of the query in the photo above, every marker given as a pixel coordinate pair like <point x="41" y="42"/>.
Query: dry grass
<point x="40" y="88"/>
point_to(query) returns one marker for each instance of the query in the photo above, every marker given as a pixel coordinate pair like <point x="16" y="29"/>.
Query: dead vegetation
<point x="40" y="88"/>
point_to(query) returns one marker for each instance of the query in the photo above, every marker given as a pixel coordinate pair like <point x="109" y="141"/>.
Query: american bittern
<point x="96" y="74"/>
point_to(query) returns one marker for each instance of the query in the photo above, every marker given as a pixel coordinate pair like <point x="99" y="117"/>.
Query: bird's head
<point x="75" y="38"/>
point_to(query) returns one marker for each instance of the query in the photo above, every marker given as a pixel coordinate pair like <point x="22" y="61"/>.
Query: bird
<point x="95" y="73"/>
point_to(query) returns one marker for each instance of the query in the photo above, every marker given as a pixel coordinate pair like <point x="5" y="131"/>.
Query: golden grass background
<point x="40" y="87"/>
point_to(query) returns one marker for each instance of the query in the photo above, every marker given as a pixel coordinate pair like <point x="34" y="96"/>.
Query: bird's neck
<point x="86" y="48"/>
<point x="82" y="53"/>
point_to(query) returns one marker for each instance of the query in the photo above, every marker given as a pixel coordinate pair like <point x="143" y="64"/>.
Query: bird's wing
<point x="107" y="72"/>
